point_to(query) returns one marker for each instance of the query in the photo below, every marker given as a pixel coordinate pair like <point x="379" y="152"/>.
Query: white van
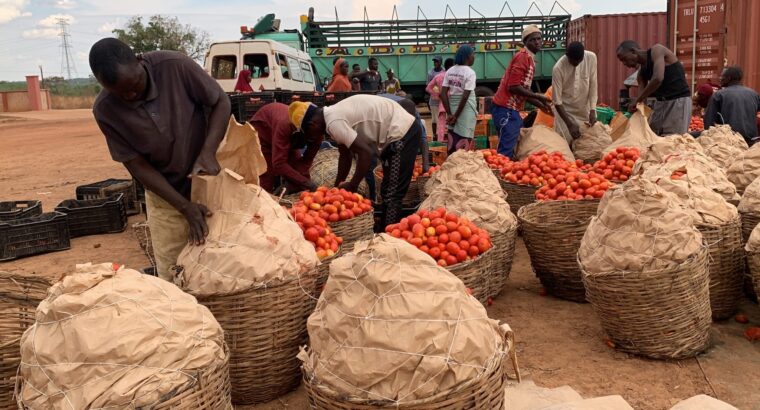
<point x="273" y="65"/>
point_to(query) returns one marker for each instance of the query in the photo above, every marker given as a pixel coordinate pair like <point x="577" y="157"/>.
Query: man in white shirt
<point x="574" y="91"/>
<point x="363" y="126"/>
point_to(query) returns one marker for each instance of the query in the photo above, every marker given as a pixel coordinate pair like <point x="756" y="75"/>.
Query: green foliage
<point x="164" y="33"/>
<point x="74" y="87"/>
<point x="12" y="86"/>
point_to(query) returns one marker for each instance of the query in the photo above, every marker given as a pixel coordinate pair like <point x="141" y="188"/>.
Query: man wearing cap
<point x="363" y="126"/>
<point x="514" y="90"/>
<point x="434" y="100"/>
<point x="392" y="85"/>
<point x="574" y="91"/>
<point x="282" y="146"/>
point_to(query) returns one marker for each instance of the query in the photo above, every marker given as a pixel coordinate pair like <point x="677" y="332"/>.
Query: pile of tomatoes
<point x="317" y="231"/>
<point x="574" y="186"/>
<point x="431" y="170"/>
<point x="617" y="164"/>
<point x="696" y="124"/>
<point x="539" y="167"/>
<point x="494" y="159"/>
<point x="334" y="204"/>
<point x="446" y="237"/>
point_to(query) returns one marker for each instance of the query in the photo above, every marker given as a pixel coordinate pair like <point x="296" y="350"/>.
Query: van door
<point x="223" y="65"/>
<point x="259" y="64"/>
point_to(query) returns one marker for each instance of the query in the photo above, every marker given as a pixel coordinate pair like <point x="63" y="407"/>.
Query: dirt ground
<point x="46" y="155"/>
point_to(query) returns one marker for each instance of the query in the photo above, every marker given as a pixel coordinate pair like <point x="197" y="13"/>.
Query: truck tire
<point x="483" y="91"/>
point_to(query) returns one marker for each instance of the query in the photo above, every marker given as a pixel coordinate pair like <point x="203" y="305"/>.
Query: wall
<point x="17" y="101"/>
<point x="602" y="34"/>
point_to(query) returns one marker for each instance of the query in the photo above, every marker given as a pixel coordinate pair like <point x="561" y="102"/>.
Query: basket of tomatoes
<point x="349" y="214"/>
<point x="617" y="165"/>
<point x="326" y="242"/>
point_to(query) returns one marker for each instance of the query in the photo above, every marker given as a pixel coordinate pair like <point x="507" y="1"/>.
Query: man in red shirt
<point x="514" y="90"/>
<point x="282" y="147"/>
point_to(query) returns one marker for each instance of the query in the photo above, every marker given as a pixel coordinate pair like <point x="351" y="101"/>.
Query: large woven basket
<point x="662" y="314"/>
<point x="753" y="263"/>
<point x="141" y="231"/>
<point x="484" y="392"/>
<point x="356" y="228"/>
<point x="749" y="222"/>
<point x="478" y="275"/>
<point x="504" y="252"/>
<point x="324" y="170"/>
<point x="552" y="231"/>
<point x="414" y="195"/>
<point x="726" y="264"/>
<point x="210" y="391"/>
<point x="323" y="271"/>
<point x="264" y="328"/>
<point x="19" y="296"/>
<point x="518" y="195"/>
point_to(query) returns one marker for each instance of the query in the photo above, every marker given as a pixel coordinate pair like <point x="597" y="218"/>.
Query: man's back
<point x="737" y="106"/>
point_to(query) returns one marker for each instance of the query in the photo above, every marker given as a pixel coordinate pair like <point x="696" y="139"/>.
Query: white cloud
<point x="40" y="33"/>
<point x="52" y="20"/>
<point x="47" y="27"/>
<point x="109" y="26"/>
<point x="65" y="4"/>
<point x="11" y="9"/>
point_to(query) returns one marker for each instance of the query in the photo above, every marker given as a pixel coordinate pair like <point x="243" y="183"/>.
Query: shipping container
<point x="708" y="35"/>
<point x="603" y="33"/>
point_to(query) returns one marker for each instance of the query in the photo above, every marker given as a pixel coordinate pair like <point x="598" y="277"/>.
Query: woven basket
<point x="479" y="276"/>
<point x="662" y="314"/>
<point x="484" y="392"/>
<point x="753" y="263"/>
<point x="356" y="228"/>
<point x="414" y="195"/>
<point x="504" y="252"/>
<point x="749" y="222"/>
<point x="518" y="195"/>
<point x="421" y="182"/>
<point x="211" y="391"/>
<point x="726" y="264"/>
<point x="552" y="231"/>
<point x="141" y="230"/>
<point x="323" y="271"/>
<point x="324" y="170"/>
<point x="264" y="328"/>
<point x="19" y="296"/>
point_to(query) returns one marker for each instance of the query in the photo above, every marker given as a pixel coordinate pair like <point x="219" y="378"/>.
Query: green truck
<point x="408" y="46"/>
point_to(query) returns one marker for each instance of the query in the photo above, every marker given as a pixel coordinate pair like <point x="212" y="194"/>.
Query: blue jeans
<point x="508" y="122"/>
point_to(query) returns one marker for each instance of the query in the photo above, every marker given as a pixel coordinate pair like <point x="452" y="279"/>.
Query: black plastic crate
<point x="43" y="233"/>
<point x="106" y="188"/>
<point x="94" y="216"/>
<point x="19" y="209"/>
<point x="335" y="97"/>
<point x="244" y="106"/>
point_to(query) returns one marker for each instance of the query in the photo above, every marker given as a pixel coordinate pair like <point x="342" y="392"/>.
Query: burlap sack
<point x="464" y="165"/>
<point x="541" y="137"/>
<point x="750" y="201"/>
<point x="392" y="325"/>
<point x="240" y="152"/>
<point x="252" y="240"/>
<point x="722" y="134"/>
<point x="711" y="208"/>
<point x="663" y="148"/>
<point x="633" y="133"/>
<point x="745" y="168"/>
<point x="723" y="154"/>
<point x="115" y="339"/>
<point x="753" y="243"/>
<point x="593" y="140"/>
<point x="639" y="227"/>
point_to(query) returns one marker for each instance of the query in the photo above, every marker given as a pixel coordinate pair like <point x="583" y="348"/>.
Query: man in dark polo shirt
<point x="163" y="118"/>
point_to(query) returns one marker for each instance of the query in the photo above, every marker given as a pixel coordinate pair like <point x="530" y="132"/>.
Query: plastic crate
<point x="481" y="142"/>
<point x="244" y="106"/>
<point x="333" y="98"/>
<point x="94" y="216"/>
<point x="19" y="209"/>
<point x="106" y="188"/>
<point x="481" y="128"/>
<point x="604" y="114"/>
<point x="43" y="233"/>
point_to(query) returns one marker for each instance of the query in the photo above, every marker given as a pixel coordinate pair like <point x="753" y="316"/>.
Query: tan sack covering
<point x="541" y="137"/>
<point x="665" y="147"/>
<point x="745" y="168"/>
<point x="393" y="325"/>
<point x="709" y="205"/>
<point x="722" y="134"/>
<point x="753" y="243"/>
<point x="469" y="165"/>
<point x="252" y="240"/>
<point x="702" y="402"/>
<point x="639" y="227"/>
<point x="635" y="132"/>
<point x="750" y="202"/>
<point x="240" y="152"/>
<point x="723" y="154"/>
<point x="592" y="142"/>
<point x="115" y="339"/>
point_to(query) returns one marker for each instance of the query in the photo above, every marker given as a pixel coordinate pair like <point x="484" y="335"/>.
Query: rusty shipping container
<point x="708" y="35"/>
<point x="603" y="33"/>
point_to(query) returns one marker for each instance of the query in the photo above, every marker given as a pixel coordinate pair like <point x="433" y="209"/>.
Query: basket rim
<point x="553" y="203"/>
<point x="703" y="253"/>
<point x="275" y="283"/>
<point x="734" y="221"/>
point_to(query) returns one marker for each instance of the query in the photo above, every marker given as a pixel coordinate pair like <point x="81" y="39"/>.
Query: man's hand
<point x="542" y="98"/>
<point x="592" y="117"/>
<point x="196" y="215"/>
<point x="348" y="186"/>
<point x="205" y="165"/>
<point x="575" y="130"/>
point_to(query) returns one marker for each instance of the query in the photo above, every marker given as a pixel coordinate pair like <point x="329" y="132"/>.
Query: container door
<point x="700" y="39"/>
<point x="223" y="64"/>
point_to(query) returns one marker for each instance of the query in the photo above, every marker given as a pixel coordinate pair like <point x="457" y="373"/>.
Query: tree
<point x="164" y="33"/>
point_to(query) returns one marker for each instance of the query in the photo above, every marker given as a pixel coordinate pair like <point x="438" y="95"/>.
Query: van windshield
<point x="258" y="64"/>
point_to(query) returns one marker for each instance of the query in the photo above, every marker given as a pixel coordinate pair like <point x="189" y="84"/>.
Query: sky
<point x="29" y="34"/>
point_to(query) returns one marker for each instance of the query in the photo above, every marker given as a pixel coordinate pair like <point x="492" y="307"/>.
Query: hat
<point x="438" y="58"/>
<point x="530" y="30"/>
<point x="390" y="71"/>
<point x="300" y="113"/>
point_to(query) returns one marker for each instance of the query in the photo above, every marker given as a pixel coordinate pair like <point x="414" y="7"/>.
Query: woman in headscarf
<point x="458" y="99"/>
<point x="339" y="82"/>
<point x="244" y="82"/>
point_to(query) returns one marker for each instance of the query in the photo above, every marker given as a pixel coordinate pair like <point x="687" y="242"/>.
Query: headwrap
<point x="530" y="30"/>
<point x="339" y="82"/>
<point x="463" y="53"/>
<point x="300" y="113"/>
<point x="243" y="81"/>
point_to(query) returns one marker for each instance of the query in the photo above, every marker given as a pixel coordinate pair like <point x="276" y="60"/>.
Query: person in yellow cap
<point x="364" y="126"/>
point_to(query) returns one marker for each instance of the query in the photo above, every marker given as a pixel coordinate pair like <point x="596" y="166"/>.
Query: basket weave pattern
<point x="504" y="252"/>
<point x="552" y="231"/>
<point x="212" y="391"/>
<point x="753" y="262"/>
<point x="356" y="228"/>
<point x="749" y="222"/>
<point x="478" y="275"/>
<point x="518" y="195"/>
<point x="726" y="264"/>
<point x="264" y="328"/>
<point x="662" y="314"/>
